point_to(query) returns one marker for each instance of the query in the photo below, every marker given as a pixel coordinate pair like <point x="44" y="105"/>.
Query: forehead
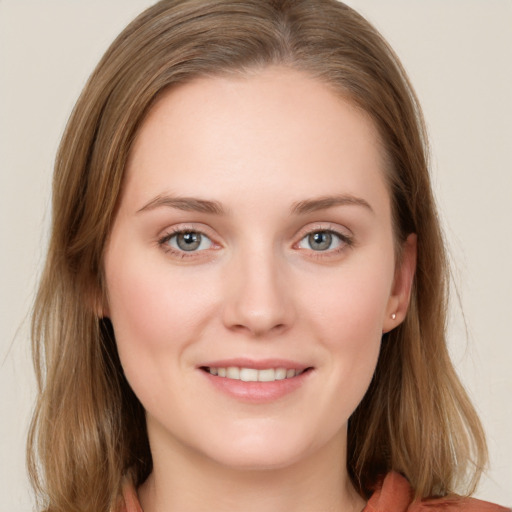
<point x="267" y="129"/>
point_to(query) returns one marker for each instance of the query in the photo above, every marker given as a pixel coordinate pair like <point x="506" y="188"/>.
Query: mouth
<point x="256" y="381"/>
<point x="253" y="374"/>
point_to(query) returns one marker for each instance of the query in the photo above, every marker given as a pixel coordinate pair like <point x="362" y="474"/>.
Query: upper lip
<point x="257" y="364"/>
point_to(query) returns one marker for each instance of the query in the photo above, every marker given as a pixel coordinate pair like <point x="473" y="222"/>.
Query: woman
<point x="244" y="297"/>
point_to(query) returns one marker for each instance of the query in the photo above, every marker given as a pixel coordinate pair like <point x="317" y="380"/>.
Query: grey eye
<point x="190" y="241"/>
<point x="321" y="241"/>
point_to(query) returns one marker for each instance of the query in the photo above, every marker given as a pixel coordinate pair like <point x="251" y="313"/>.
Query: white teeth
<point x="267" y="375"/>
<point x="248" y="374"/>
<point x="253" y="375"/>
<point x="233" y="372"/>
<point x="280" y="373"/>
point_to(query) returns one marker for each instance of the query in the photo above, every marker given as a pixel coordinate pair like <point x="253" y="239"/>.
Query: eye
<point x="188" y="241"/>
<point x="322" y="241"/>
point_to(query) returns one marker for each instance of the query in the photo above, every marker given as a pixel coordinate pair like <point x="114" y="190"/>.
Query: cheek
<point x="156" y="315"/>
<point x="347" y="313"/>
<point x="350" y="304"/>
<point x="149" y="297"/>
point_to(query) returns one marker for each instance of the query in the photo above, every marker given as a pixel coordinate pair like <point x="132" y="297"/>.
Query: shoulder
<point x="456" y="505"/>
<point x="396" y="495"/>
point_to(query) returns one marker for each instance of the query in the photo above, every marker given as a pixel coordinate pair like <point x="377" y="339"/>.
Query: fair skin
<point x="254" y="231"/>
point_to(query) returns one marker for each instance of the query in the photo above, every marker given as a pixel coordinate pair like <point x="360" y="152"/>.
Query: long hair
<point x="88" y="430"/>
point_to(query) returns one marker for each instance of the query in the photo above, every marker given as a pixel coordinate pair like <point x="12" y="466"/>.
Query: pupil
<point x="188" y="241"/>
<point x="320" y="240"/>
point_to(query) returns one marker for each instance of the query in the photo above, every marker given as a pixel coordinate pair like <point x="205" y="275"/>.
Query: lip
<point x="256" y="392"/>
<point x="260" y="364"/>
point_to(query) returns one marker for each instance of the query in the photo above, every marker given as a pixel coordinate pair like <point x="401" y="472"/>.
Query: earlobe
<point x="402" y="286"/>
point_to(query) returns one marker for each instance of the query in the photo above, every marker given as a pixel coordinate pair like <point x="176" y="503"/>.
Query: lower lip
<point x="257" y="392"/>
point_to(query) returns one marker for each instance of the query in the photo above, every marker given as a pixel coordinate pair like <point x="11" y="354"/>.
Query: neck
<point x="185" y="481"/>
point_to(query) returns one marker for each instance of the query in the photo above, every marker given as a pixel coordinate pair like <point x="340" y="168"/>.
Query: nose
<point x="259" y="299"/>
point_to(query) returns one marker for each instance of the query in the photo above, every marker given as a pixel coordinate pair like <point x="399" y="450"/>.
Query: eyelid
<point x="198" y="227"/>
<point x="337" y="229"/>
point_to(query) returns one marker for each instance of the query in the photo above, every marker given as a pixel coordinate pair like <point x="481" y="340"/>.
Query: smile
<point x="256" y="381"/>
<point x="253" y="374"/>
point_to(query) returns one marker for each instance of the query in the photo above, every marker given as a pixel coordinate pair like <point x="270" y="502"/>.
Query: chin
<point x="257" y="461"/>
<point x="260" y="452"/>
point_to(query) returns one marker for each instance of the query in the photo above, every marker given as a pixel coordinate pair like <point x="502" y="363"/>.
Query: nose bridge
<point x="258" y="298"/>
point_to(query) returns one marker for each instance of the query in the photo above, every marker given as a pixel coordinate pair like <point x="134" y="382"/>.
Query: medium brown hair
<point x="88" y="429"/>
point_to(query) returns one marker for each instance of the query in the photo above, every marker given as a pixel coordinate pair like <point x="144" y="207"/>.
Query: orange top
<point x="394" y="495"/>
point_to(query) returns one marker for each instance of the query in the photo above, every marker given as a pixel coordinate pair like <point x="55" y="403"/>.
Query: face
<point x="251" y="270"/>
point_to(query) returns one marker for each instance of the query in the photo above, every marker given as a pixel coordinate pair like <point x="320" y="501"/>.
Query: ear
<point x="399" y="299"/>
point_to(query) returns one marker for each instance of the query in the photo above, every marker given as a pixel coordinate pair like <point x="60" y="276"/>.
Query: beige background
<point x="459" y="56"/>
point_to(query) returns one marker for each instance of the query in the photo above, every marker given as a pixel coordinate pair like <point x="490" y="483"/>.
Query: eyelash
<point x="345" y="240"/>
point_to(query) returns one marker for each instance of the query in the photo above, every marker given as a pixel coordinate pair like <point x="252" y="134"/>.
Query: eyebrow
<point x="187" y="204"/>
<point x="193" y="204"/>
<point x="325" y="202"/>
